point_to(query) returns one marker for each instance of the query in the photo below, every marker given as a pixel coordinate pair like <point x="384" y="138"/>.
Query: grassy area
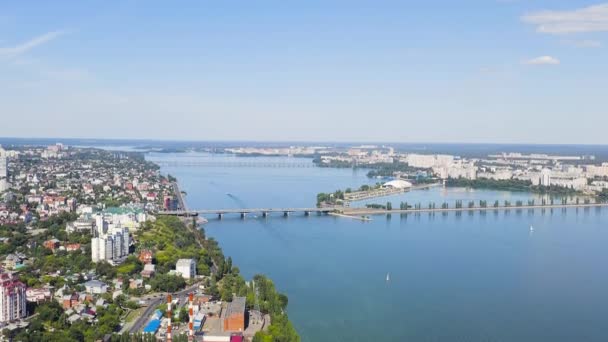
<point x="134" y="314"/>
<point x="170" y="240"/>
<point x="511" y="185"/>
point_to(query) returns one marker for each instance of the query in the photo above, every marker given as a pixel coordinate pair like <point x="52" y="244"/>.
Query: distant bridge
<point x="230" y="163"/>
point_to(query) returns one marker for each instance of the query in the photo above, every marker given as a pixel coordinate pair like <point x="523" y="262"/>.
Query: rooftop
<point x="184" y="262"/>
<point x="94" y="283"/>
<point x="236" y="307"/>
<point x="123" y="210"/>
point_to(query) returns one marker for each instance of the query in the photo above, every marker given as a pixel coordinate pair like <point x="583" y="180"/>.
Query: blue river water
<point x="468" y="277"/>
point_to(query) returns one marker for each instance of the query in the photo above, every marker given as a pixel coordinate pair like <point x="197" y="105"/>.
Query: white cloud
<point x="587" y="19"/>
<point x="584" y="43"/>
<point x="30" y="44"/>
<point x="542" y="60"/>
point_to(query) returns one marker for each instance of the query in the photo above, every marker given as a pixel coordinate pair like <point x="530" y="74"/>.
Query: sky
<point x="499" y="71"/>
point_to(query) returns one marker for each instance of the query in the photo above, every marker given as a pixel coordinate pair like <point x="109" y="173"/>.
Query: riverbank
<point x="226" y="282"/>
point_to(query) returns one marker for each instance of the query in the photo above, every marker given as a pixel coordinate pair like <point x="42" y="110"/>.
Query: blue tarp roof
<point x="152" y="326"/>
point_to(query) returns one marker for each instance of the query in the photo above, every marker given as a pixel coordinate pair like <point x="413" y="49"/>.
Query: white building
<point x="82" y="224"/>
<point x="428" y="161"/>
<point x="598" y="186"/>
<point x="125" y="216"/>
<point x="545" y="177"/>
<point x="95" y="287"/>
<point x="576" y="183"/>
<point x="461" y="170"/>
<point x="111" y="246"/>
<point x="4" y="184"/>
<point x="533" y="177"/>
<point x="12" y="298"/>
<point x="186" y="267"/>
<point x="597" y="170"/>
<point x="398" y="184"/>
<point x="3" y="164"/>
<point x="499" y="174"/>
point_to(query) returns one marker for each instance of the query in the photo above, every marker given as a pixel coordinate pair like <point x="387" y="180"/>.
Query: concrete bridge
<point x="234" y="163"/>
<point x="371" y="211"/>
<point x="265" y="212"/>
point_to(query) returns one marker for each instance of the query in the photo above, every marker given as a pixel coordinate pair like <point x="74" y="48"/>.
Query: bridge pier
<point x="286" y="213"/>
<point x="220" y="216"/>
<point x="307" y="213"/>
<point x="243" y="215"/>
<point x="264" y="214"/>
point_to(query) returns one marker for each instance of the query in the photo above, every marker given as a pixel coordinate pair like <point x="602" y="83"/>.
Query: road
<point x="180" y="197"/>
<point x="369" y="211"/>
<point x="155" y="301"/>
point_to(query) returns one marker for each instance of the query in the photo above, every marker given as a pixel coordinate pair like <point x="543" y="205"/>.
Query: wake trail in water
<point x="237" y="200"/>
<point x="274" y="233"/>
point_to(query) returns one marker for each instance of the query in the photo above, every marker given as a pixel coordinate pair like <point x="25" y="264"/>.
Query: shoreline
<point x="285" y="326"/>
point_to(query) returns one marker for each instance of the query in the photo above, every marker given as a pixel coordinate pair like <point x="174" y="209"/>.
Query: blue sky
<point x="520" y="71"/>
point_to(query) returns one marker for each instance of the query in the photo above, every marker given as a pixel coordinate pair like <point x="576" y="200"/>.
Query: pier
<point x="382" y="192"/>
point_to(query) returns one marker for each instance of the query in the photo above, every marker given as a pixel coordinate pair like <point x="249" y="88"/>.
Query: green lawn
<point x="133" y="315"/>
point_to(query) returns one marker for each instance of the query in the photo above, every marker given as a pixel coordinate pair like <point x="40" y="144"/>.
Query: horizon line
<point x="305" y="141"/>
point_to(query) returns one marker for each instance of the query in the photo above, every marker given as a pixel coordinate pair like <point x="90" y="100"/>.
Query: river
<point x="467" y="277"/>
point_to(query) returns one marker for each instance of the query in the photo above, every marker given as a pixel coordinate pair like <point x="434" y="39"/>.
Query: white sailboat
<point x="531" y="229"/>
<point x="388" y="277"/>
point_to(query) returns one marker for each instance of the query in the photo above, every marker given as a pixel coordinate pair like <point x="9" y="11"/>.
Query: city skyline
<point x="512" y="72"/>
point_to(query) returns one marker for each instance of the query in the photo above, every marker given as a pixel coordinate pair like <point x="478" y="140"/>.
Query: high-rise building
<point x="545" y="177"/>
<point x="112" y="245"/>
<point x="12" y="298"/>
<point x="3" y="164"/>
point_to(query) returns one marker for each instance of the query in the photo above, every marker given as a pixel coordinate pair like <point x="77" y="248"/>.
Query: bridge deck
<point x="250" y="210"/>
<point x="368" y="211"/>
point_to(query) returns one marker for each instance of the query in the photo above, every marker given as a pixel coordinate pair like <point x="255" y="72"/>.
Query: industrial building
<point x="234" y="316"/>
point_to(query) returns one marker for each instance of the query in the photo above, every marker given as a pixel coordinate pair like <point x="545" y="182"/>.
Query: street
<point x="155" y="301"/>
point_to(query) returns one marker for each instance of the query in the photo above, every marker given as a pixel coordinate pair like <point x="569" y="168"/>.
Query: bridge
<point x="357" y="212"/>
<point x="265" y="212"/>
<point x="233" y="163"/>
<point x="371" y="211"/>
<point x="181" y="203"/>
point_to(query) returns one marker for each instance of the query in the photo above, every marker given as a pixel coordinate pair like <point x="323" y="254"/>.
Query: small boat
<point x="388" y="277"/>
<point x="531" y="229"/>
